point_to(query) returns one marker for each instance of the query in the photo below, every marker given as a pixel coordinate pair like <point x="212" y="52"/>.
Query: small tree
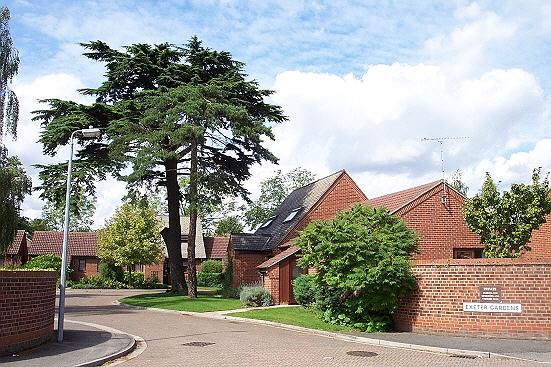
<point x="363" y="262"/>
<point x="273" y="191"/>
<point x="228" y="225"/>
<point x="458" y="184"/>
<point x="505" y="221"/>
<point x="131" y="236"/>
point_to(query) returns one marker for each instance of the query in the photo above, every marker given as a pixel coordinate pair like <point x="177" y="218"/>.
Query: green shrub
<point x="98" y="282"/>
<point x="363" y="261"/>
<point x="209" y="279"/>
<point x="111" y="271"/>
<point x="46" y="262"/>
<point x="255" y="296"/>
<point x="306" y="290"/>
<point x="134" y="279"/>
<point x="212" y="266"/>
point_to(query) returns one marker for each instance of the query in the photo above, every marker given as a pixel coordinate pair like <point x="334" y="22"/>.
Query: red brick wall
<point x="441" y="227"/>
<point x="154" y="269"/>
<point x="341" y="196"/>
<point x="271" y="282"/>
<point x="436" y="305"/>
<point x="27" y="308"/>
<point x="540" y="243"/>
<point x="244" y="266"/>
<point x="91" y="267"/>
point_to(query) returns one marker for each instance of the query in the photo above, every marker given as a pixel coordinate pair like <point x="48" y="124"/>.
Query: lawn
<point x="167" y="301"/>
<point x="298" y="316"/>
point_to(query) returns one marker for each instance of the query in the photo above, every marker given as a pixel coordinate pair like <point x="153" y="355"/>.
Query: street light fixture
<point x="89" y="134"/>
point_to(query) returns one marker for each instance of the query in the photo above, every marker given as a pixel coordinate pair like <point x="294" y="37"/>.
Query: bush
<point x="111" y="271"/>
<point x="98" y="282"/>
<point x="134" y="279"/>
<point x="46" y="262"/>
<point x="255" y="296"/>
<point x="209" y="279"/>
<point x="363" y="261"/>
<point x="212" y="266"/>
<point x="306" y="290"/>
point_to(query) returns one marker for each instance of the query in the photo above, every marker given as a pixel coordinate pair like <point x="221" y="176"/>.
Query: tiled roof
<point x="51" y="242"/>
<point x="397" y="200"/>
<point x="279" y="257"/>
<point x="216" y="247"/>
<point x="200" y="252"/>
<point x="14" y="247"/>
<point x="249" y="241"/>
<point x="303" y="198"/>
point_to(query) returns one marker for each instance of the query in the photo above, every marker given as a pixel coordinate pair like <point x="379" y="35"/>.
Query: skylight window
<point x="268" y="222"/>
<point x="291" y="215"/>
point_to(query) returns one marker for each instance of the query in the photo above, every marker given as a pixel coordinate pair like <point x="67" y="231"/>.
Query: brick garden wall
<point x="436" y="305"/>
<point x="27" y="308"/>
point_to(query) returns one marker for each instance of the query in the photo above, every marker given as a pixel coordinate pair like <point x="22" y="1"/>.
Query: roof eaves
<point x="418" y="196"/>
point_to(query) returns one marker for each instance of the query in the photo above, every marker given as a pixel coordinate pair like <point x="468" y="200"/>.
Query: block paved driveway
<point x="240" y="344"/>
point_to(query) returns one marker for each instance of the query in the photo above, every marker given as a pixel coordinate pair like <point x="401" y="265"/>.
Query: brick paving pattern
<point x="241" y="344"/>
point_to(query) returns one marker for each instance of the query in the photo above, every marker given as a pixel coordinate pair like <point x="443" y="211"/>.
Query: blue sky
<point x="361" y="81"/>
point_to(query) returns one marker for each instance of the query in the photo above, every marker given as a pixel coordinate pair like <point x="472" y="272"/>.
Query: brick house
<point x="17" y="252"/>
<point x="82" y="250"/>
<point x="435" y="212"/>
<point x="267" y="254"/>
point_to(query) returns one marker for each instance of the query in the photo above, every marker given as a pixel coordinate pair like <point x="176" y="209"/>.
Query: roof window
<point x="291" y="215"/>
<point x="268" y="222"/>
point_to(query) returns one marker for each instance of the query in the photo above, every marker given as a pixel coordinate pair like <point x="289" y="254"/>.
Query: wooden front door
<point x="285" y="286"/>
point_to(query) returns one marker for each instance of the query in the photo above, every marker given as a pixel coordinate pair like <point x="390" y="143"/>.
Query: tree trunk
<point x="174" y="236"/>
<point x="193" y="205"/>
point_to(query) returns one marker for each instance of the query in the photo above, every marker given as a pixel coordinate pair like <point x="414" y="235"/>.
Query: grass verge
<point x="167" y="301"/>
<point x="298" y="316"/>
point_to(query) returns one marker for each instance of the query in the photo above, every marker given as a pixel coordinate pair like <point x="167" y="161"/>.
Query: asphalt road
<point x="178" y="340"/>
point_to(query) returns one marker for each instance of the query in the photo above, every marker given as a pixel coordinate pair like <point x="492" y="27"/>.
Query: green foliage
<point x="46" y="262"/>
<point x="130" y="237"/>
<point x="212" y="266"/>
<point x="111" y="271"/>
<point x="228" y="225"/>
<point x="9" y="66"/>
<point x="205" y="279"/>
<point x="32" y="225"/>
<point x="134" y="279"/>
<point x="227" y="281"/>
<point x="164" y="111"/>
<point x="82" y="208"/>
<point x="14" y="185"/>
<point x="98" y="282"/>
<point x="272" y="193"/>
<point x="255" y="296"/>
<point x="306" y="290"/>
<point x="363" y="262"/>
<point x="505" y="221"/>
<point x="458" y="184"/>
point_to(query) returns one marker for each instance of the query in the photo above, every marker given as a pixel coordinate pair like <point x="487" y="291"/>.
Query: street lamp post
<point x="87" y="133"/>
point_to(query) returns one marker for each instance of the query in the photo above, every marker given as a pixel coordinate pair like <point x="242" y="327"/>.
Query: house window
<point x="268" y="222"/>
<point x="467" y="253"/>
<point x="135" y="267"/>
<point x="291" y="215"/>
<point x="81" y="264"/>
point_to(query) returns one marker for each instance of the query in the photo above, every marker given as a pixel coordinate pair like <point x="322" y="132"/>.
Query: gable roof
<point x="200" y="252"/>
<point x="397" y="200"/>
<point x="17" y="242"/>
<point x="216" y="247"/>
<point x="304" y="198"/>
<point x="51" y="243"/>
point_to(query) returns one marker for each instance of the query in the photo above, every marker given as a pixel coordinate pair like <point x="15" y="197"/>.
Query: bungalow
<point x="16" y="254"/>
<point x="269" y="246"/>
<point x="434" y="211"/>
<point x="82" y="250"/>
